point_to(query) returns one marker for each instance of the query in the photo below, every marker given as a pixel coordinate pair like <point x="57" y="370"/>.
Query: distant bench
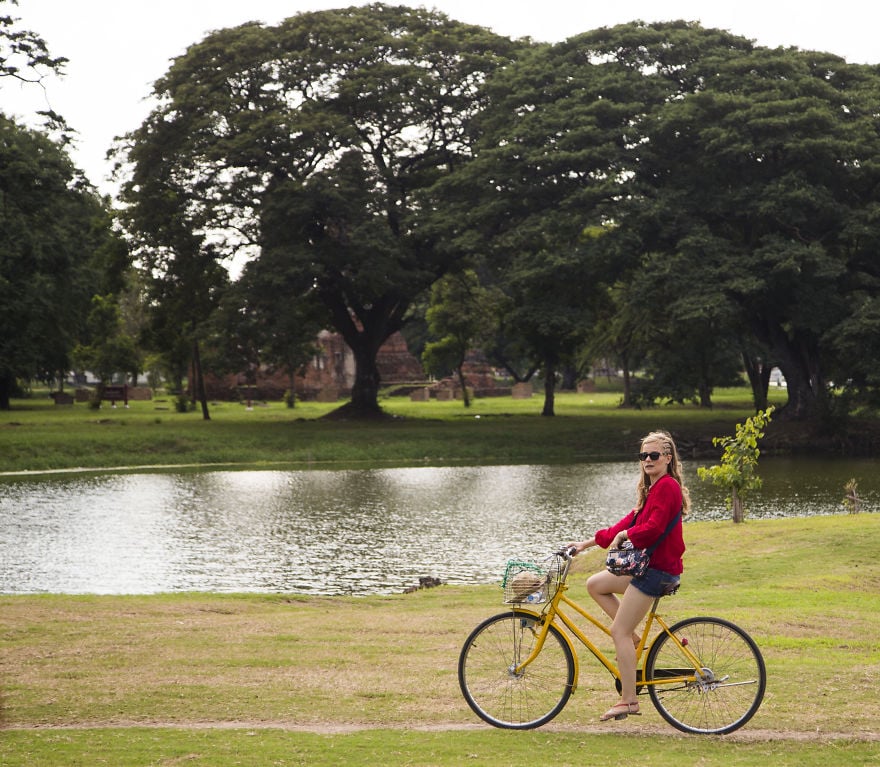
<point x="116" y="394"/>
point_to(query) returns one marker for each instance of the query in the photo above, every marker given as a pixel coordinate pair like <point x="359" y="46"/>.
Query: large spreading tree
<point x="314" y="144"/>
<point x="757" y="195"/>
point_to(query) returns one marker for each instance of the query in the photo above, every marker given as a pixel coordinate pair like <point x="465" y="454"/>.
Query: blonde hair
<point x="674" y="468"/>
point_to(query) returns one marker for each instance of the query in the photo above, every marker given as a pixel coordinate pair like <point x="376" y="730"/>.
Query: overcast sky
<point x="118" y="48"/>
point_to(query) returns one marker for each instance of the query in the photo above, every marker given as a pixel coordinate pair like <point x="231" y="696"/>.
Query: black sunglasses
<point x="653" y="456"/>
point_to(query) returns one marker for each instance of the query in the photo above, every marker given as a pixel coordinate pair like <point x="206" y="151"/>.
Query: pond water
<point x="342" y="532"/>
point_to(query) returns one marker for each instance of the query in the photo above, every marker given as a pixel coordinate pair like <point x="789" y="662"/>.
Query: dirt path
<point x="745" y="735"/>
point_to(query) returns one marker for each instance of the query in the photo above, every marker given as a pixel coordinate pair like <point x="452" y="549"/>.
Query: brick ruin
<point x="329" y="374"/>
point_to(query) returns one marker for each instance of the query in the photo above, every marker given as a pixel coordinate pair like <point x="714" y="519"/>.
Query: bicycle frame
<point x="552" y="611"/>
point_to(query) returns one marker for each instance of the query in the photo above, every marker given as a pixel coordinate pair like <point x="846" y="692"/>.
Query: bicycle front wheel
<point x="725" y="693"/>
<point x="496" y="691"/>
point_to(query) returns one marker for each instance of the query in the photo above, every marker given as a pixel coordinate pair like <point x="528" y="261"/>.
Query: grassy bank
<point x="39" y="436"/>
<point x="212" y="679"/>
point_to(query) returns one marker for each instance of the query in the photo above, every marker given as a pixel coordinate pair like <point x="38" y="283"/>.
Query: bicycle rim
<point x="495" y="691"/>
<point x="729" y="691"/>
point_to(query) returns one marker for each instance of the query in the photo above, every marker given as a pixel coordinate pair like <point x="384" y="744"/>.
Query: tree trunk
<point x="464" y="391"/>
<point x="627" y="382"/>
<point x="199" y="382"/>
<point x="549" y="389"/>
<point x="705" y="394"/>
<point x="799" y="363"/>
<point x="365" y="333"/>
<point x="291" y="377"/>
<point x="6" y="383"/>
<point x="759" y="380"/>
<point x="802" y="399"/>
<point x="737" y="506"/>
<point x="365" y="392"/>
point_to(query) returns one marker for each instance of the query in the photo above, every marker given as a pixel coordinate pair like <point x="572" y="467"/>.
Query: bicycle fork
<point x="518" y="664"/>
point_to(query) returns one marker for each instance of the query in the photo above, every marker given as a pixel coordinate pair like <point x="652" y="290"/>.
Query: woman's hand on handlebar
<point x="576" y="547"/>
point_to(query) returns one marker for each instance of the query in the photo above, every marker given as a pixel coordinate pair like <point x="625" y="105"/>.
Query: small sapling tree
<point x="736" y="471"/>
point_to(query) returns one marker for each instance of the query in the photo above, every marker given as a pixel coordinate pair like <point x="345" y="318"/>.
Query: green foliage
<point x="461" y="313"/>
<point x="728" y="172"/>
<point x="53" y="250"/>
<point x="856" y="345"/>
<point x="24" y="55"/>
<point x="736" y="471"/>
<point x="261" y="322"/>
<point x="678" y="197"/>
<point x="110" y="349"/>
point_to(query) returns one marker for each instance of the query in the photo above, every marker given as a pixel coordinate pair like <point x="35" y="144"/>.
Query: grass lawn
<point x="37" y="435"/>
<point x="238" y="679"/>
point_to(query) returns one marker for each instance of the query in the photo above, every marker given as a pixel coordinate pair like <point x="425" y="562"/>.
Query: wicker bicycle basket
<point x="531" y="582"/>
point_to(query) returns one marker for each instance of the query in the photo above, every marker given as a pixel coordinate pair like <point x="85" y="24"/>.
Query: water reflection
<point x="339" y="532"/>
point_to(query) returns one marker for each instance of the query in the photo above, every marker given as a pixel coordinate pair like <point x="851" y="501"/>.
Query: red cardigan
<point x="661" y="507"/>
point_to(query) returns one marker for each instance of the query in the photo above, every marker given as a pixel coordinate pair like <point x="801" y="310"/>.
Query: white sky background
<point x="118" y="48"/>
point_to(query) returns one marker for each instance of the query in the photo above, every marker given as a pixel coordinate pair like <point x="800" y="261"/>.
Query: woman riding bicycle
<point x="661" y="496"/>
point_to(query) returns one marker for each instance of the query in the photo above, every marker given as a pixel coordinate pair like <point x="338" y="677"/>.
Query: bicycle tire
<point x="727" y="696"/>
<point x="506" y="699"/>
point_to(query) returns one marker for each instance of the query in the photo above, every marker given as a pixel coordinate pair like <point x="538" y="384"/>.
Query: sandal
<point x="620" y="711"/>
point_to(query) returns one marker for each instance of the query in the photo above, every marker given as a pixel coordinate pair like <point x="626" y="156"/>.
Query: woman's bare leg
<point x="632" y="609"/>
<point x="604" y="588"/>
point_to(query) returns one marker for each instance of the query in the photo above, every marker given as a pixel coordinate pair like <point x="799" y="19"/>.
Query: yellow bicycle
<point x="518" y="669"/>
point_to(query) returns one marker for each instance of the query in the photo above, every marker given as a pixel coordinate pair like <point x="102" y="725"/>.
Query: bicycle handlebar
<point x="570" y="552"/>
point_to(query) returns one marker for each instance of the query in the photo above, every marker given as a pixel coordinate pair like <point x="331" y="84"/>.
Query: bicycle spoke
<point x="728" y="689"/>
<point x="496" y="691"/>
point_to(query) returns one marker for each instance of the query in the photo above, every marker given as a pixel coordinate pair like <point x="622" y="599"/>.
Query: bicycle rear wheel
<point x="727" y="693"/>
<point x="492" y="687"/>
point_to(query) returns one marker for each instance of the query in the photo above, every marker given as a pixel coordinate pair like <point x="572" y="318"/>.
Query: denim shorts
<point x="656" y="583"/>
